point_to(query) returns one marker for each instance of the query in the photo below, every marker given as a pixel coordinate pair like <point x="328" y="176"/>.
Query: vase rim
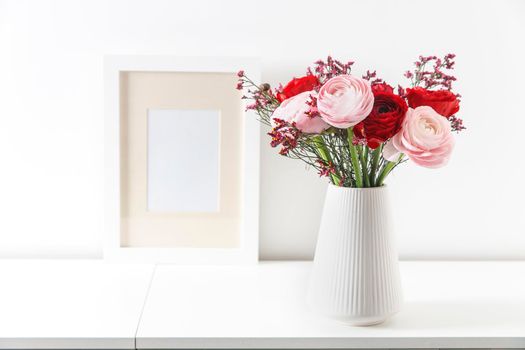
<point x="377" y="188"/>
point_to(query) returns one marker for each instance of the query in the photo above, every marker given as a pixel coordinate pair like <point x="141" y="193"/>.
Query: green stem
<point x="364" y="169"/>
<point x="376" y="154"/>
<point x="325" y="156"/>
<point x="354" y="160"/>
<point x="387" y="169"/>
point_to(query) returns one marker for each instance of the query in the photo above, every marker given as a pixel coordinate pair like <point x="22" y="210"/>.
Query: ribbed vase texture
<point x="355" y="276"/>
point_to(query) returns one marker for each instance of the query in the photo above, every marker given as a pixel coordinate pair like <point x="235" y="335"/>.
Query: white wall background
<point x="51" y="130"/>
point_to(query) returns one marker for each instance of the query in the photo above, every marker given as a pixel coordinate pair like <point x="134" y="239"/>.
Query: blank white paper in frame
<point x="183" y="160"/>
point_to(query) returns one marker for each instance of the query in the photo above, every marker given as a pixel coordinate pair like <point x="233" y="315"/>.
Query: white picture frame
<point x="247" y="252"/>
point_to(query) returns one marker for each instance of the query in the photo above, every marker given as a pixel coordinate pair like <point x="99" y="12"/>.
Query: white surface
<point x="70" y="304"/>
<point x="355" y="275"/>
<point x="51" y="138"/>
<point x="247" y="252"/>
<point x="183" y="160"/>
<point x="447" y="305"/>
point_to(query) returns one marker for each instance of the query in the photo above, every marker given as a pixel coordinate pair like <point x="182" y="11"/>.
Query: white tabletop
<point x="447" y="305"/>
<point x="70" y="304"/>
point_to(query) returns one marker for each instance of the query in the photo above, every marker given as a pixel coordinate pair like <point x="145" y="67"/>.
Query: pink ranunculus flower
<point x="345" y="100"/>
<point x="425" y="137"/>
<point x="295" y="109"/>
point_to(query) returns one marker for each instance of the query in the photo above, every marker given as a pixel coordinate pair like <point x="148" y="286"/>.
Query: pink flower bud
<point x="298" y="110"/>
<point x="345" y="100"/>
<point x="425" y="137"/>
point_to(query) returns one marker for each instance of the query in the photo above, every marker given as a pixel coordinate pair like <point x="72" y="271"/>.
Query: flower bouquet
<point x="356" y="131"/>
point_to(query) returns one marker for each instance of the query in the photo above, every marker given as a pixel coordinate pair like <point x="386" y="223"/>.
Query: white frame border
<point x="248" y="250"/>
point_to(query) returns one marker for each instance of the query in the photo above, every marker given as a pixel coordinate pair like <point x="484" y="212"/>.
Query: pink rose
<point x="425" y="137"/>
<point x="296" y="109"/>
<point x="345" y="100"/>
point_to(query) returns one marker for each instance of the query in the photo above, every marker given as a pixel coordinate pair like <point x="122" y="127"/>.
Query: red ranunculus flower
<point x="443" y="102"/>
<point x="385" y="119"/>
<point x="298" y="85"/>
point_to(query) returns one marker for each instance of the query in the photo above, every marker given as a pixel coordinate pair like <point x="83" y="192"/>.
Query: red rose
<point x="442" y="101"/>
<point x="298" y="85"/>
<point x="385" y="119"/>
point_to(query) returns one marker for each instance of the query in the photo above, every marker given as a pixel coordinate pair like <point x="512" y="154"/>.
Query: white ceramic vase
<point x="355" y="276"/>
